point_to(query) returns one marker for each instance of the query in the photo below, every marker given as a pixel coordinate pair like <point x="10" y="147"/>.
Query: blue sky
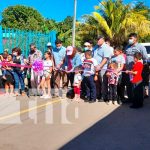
<point x="57" y="9"/>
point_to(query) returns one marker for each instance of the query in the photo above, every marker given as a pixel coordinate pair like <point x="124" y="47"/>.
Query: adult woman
<point x="18" y="72"/>
<point x="72" y="60"/>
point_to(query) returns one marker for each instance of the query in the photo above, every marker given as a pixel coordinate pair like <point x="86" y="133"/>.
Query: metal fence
<point x="10" y="38"/>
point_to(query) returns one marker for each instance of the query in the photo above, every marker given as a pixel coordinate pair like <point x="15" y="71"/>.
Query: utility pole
<point x="74" y="23"/>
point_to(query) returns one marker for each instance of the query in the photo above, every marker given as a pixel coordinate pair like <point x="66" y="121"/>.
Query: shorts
<point x="76" y="90"/>
<point x="46" y="73"/>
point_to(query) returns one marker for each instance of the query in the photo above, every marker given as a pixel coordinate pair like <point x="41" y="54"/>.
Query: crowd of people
<point x="101" y="72"/>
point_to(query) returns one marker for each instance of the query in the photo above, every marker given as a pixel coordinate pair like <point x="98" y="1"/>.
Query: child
<point x="9" y="81"/>
<point x="120" y="60"/>
<point x="77" y="83"/>
<point x="136" y="79"/>
<point x="112" y="82"/>
<point x="89" y="65"/>
<point x="46" y="75"/>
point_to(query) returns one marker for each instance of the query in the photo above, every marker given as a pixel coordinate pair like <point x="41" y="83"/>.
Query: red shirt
<point x="138" y="67"/>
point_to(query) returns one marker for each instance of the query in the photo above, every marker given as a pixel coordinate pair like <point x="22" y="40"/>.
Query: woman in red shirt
<point x="136" y="79"/>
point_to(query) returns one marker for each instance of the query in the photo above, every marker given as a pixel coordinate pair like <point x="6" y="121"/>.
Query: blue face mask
<point x="86" y="48"/>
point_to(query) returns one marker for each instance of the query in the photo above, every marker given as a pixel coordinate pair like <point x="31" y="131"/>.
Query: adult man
<point x="130" y="50"/>
<point x="108" y="42"/>
<point x="35" y="54"/>
<point x="102" y="54"/>
<point x="59" y="53"/>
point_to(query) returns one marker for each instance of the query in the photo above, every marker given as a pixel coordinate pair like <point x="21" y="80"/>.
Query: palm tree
<point x="116" y="20"/>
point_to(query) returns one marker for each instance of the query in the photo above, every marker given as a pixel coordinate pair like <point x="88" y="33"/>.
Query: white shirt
<point x="77" y="79"/>
<point x="47" y="64"/>
<point x="89" y="66"/>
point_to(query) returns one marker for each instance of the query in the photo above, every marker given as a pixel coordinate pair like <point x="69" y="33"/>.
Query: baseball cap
<point x="49" y="44"/>
<point x="87" y="44"/>
<point x="69" y="50"/>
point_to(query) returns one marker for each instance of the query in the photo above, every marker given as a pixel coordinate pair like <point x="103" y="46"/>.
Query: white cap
<point x="49" y="44"/>
<point x="87" y="44"/>
<point x="69" y="50"/>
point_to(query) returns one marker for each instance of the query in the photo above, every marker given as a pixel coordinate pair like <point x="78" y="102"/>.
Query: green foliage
<point x="22" y="17"/>
<point x="64" y="30"/>
<point x="116" y="20"/>
<point x="111" y="18"/>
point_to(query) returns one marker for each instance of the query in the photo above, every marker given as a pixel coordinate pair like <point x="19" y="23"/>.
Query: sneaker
<point x="116" y="103"/>
<point x="47" y="97"/>
<point x="6" y="94"/>
<point x="43" y="96"/>
<point x="12" y="94"/>
<point x="109" y="102"/>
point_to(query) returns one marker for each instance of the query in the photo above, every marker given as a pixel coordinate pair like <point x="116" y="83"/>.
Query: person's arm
<point x="131" y="72"/>
<point x="51" y="69"/>
<point x="104" y="61"/>
<point x="144" y="52"/>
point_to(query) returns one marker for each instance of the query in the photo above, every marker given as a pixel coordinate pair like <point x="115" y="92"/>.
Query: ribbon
<point x="38" y="67"/>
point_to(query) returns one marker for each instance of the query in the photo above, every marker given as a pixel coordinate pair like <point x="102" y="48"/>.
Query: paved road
<point x="36" y="124"/>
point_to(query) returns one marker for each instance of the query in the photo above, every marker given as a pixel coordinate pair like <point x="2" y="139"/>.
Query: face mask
<point x="15" y="54"/>
<point x="86" y="48"/>
<point x="131" y="41"/>
<point x="59" y="47"/>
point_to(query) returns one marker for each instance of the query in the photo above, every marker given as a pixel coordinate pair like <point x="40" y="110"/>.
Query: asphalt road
<point x="37" y="124"/>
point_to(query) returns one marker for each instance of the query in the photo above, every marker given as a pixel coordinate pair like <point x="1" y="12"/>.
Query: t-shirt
<point x="59" y="55"/>
<point x="77" y="79"/>
<point x="102" y="52"/>
<point x="139" y="68"/>
<point x="47" y="64"/>
<point x="89" y="66"/>
<point x="131" y="50"/>
<point x="37" y="55"/>
<point x="120" y="59"/>
<point x="113" y="78"/>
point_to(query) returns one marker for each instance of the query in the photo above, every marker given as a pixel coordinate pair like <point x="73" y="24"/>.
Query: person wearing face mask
<point x="59" y="53"/>
<point x="72" y="60"/>
<point x="132" y="48"/>
<point x="35" y="54"/>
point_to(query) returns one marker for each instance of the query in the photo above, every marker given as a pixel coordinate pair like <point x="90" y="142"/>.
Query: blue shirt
<point x="59" y="55"/>
<point x="131" y="50"/>
<point x="102" y="52"/>
<point x="76" y="60"/>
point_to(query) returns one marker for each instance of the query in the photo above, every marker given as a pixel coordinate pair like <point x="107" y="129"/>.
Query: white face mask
<point x="15" y="54"/>
<point x="59" y="47"/>
<point x="131" y="41"/>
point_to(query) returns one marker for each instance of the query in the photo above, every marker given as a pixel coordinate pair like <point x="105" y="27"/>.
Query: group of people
<point x="100" y="72"/>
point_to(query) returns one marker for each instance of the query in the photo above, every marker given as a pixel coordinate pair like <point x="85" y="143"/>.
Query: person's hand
<point x="58" y="66"/>
<point x="98" y="68"/>
<point x="96" y="78"/>
<point x="127" y="71"/>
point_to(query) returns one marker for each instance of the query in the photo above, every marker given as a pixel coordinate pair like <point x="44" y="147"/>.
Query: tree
<point x="22" y="17"/>
<point x="64" y="30"/>
<point x="116" y="20"/>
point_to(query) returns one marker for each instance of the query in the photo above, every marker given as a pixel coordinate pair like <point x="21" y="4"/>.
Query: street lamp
<point x="74" y="23"/>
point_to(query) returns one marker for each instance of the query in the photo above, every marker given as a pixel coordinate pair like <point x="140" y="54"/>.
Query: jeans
<point x="90" y="87"/>
<point x="102" y="86"/>
<point x="113" y="92"/>
<point x="138" y="96"/>
<point x="19" y="79"/>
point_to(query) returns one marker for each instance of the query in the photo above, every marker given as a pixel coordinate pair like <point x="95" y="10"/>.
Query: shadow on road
<point x="123" y="129"/>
